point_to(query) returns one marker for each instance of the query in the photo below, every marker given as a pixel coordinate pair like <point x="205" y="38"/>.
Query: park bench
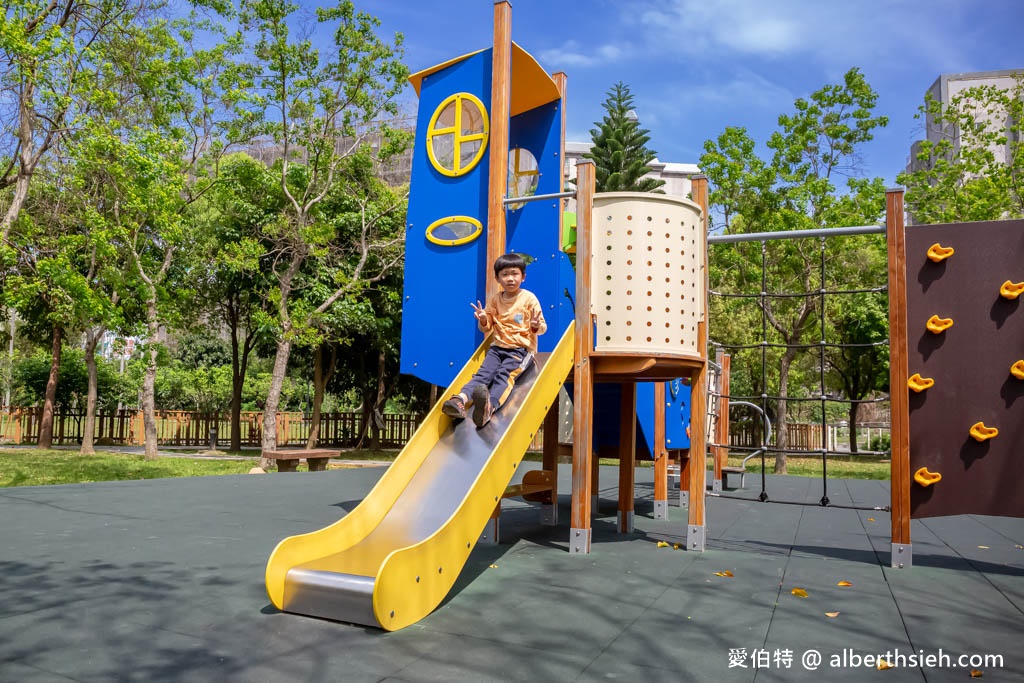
<point x="287" y="459"/>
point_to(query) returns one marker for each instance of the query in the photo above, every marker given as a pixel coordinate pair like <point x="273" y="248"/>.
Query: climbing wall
<point x="965" y="338"/>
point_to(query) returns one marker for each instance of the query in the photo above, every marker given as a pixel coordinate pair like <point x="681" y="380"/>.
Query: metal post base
<point x="716" y="486"/>
<point x="695" y="538"/>
<point x="625" y="522"/>
<point x="684" y="498"/>
<point x="673" y="480"/>
<point x="902" y="555"/>
<point x="490" y="534"/>
<point x="579" y="541"/>
<point x="549" y="515"/>
<point x="661" y="509"/>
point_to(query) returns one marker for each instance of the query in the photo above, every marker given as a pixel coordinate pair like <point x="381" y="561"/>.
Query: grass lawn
<point x="34" y="467"/>
<point x="839" y="466"/>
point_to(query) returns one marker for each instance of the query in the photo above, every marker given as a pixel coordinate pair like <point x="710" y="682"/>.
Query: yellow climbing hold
<point x="1011" y="290"/>
<point x="919" y="383"/>
<point x="982" y="433"/>
<point x="926" y="478"/>
<point x="937" y="325"/>
<point x="1017" y="369"/>
<point x="937" y="252"/>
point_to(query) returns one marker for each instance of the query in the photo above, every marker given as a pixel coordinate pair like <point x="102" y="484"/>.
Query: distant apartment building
<point x="678" y="177"/>
<point x="945" y="88"/>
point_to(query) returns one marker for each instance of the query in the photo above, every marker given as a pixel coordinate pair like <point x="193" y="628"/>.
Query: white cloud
<point x="571" y="54"/>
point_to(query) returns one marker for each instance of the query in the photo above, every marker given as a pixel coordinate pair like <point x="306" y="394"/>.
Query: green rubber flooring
<point x="163" y="581"/>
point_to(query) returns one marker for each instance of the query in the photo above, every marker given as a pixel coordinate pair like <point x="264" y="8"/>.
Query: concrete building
<point x="678" y="177"/>
<point x="945" y="88"/>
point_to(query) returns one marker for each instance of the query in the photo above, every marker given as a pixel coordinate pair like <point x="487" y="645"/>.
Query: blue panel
<point x="439" y="332"/>
<point x="533" y="229"/>
<point x="677" y="413"/>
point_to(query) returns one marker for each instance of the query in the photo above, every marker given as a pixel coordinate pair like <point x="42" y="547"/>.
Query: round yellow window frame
<point x="458" y="136"/>
<point x="479" y="228"/>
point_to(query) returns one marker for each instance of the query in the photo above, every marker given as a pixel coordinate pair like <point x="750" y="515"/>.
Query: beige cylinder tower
<point x="647" y="274"/>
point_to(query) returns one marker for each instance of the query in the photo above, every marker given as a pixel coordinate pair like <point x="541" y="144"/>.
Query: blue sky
<point x="697" y="66"/>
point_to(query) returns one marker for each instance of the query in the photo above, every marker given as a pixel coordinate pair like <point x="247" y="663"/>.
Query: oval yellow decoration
<point x="457" y="134"/>
<point x="451" y="231"/>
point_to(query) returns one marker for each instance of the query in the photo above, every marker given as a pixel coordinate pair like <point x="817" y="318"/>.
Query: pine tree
<point x="619" y="151"/>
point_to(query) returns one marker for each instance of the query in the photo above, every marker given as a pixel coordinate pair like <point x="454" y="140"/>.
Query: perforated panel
<point x="647" y="278"/>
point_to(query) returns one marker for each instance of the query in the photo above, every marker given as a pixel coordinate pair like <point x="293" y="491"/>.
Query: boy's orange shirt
<point x="510" y="320"/>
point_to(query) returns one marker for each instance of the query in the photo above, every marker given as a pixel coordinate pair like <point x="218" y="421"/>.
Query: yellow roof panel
<point x="531" y="84"/>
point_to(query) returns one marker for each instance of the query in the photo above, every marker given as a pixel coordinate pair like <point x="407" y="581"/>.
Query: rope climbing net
<point x="813" y="303"/>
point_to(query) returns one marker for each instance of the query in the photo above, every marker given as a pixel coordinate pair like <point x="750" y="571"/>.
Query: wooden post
<point x="899" y="401"/>
<point x="501" y="93"/>
<point x="722" y="421"/>
<point x="627" y="456"/>
<point x="561" y="81"/>
<point x="583" y="376"/>
<point x="660" y="455"/>
<point x="695" y="533"/>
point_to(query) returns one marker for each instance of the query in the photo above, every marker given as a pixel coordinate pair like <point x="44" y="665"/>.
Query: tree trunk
<point x="239" y="365"/>
<point x="781" y="419"/>
<point x="46" y="420"/>
<point x="92" y="338"/>
<point x="284" y="349"/>
<point x="378" y="403"/>
<point x="853" y="428"/>
<point x="149" y="380"/>
<point x="321" y="376"/>
<point x="18" y="200"/>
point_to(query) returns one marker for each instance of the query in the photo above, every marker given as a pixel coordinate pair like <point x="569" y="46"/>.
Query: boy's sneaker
<point x="454" y="408"/>
<point x="481" y="406"/>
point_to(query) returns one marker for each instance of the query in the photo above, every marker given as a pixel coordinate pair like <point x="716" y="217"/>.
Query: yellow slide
<point x="391" y="561"/>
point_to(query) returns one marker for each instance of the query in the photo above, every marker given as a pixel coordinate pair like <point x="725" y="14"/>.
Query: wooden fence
<point x="802" y="437"/>
<point x="198" y="430"/>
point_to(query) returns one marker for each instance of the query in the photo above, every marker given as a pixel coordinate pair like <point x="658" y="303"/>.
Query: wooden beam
<point x="561" y="82"/>
<point x="722" y="421"/>
<point x="698" y="399"/>
<point x="627" y="456"/>
<point x="501" y="93"/>
<point x="583" y="379"/>
<point x="899" y="401"/>
<point x="660" y="455"/>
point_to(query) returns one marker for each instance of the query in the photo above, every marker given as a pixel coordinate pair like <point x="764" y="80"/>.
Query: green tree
<point x="974" y="171"/>
<point x="796" y="189"/>
<point x="619" y="150"/>
<point x="321" y="109"/>
<point x="50" y="54"/>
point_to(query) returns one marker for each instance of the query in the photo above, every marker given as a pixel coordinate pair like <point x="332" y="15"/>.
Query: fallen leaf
<point x="662" y="544"/>
<point x="1018" y="547"/>
<point x="871" y="519"/>
<point x="832" y="614"/>
<point x="494" y="566"/>
<point x="676" y="546"/>
<point x="799" y="592"/>
<point x="883" y="665"/>
<point x="844" y="584"/>
<point x="977" y="674"/>
<point x="725" y="573"/>
<point x="983" y="547"/>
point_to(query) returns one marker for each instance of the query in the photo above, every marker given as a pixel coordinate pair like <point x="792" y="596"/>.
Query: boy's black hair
<point x="509" y="261"/>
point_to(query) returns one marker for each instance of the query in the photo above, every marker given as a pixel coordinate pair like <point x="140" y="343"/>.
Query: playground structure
<point x="631" y="314"/>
